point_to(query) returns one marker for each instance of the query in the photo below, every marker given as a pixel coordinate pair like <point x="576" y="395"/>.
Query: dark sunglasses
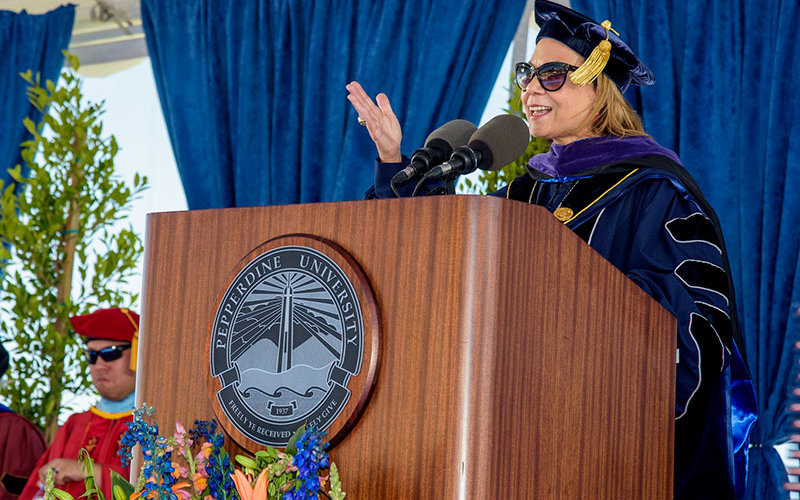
<point x="107" y="353"/>
<point x="551" y="75"/>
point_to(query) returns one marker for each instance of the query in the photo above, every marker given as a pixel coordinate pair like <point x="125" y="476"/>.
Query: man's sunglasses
<point x="551" y="75"/>
<point x="107" y="353"/>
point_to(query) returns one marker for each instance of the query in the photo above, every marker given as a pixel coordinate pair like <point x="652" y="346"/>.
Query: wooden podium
<point x="515" y="362"/>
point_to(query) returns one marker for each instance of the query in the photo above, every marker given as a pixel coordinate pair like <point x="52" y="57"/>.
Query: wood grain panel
<point x="516" y="362"/>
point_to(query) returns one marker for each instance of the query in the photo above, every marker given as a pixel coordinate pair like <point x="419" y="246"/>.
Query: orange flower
<point x="246" y="492"/>
<point x="200" y="482"/>
<point x="180" y="492"/>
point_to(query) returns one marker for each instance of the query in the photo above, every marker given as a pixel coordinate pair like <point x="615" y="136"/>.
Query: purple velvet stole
<point x="569" y="159"/>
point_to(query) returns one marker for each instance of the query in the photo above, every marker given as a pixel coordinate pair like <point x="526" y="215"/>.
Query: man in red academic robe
<point x="21" y="443"/>
<point x="111" y="337"/>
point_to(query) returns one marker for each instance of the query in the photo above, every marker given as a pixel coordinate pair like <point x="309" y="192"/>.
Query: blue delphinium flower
<point x="139" y="432"/>
<point x="204" y="429"/>
<point x="157" y="470"/>
<point x="310" y="458"/>
<point x="219" y="469"/>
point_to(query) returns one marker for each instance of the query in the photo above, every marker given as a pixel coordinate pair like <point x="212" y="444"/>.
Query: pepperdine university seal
<point x="287" y="338"/>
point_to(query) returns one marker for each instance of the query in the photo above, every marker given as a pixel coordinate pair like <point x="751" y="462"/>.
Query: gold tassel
<point x="134" y="341"/>
<point x="596" y="62"/>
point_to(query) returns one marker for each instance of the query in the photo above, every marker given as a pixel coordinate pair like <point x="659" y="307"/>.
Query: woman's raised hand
<point x="380" y="120"/>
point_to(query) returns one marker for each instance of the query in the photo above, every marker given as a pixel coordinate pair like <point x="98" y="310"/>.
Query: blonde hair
<point x="612" y="113"/>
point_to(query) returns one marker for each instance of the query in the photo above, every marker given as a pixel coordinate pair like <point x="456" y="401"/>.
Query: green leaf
<point x="62" y="495"/>
<point x="72" y="59"/>
<point x="16" y="174"/>
<point x="291" y="446"/>
<point x="30" y="126"/>
<point x="121" y="486"/>
<point x="246" y="461"/>
<point x="27" y="76"/>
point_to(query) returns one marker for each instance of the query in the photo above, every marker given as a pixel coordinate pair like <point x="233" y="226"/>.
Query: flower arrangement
<point x="193" y="465"/>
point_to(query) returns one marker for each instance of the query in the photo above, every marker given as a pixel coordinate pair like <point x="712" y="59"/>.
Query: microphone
<point x="439" y="146"/>
<point x="500" y="141"/>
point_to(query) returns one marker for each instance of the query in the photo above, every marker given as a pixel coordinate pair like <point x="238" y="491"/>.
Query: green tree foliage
<point x="490" y="181"/>
<point x="65" y="250"/>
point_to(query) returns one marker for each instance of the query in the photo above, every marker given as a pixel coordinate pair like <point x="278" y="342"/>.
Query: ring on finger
<point x="362" y="122"/>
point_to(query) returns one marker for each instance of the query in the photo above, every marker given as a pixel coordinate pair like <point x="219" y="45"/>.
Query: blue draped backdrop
<point x="253" y="91"/>
<point x="726" y="99"/>
<point x="27" y="42"/>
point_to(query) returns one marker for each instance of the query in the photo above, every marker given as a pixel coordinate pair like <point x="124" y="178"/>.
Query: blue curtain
<point x="27" y="42"/>
<point x="253" y="91"/>
<point x="726" y="99"/>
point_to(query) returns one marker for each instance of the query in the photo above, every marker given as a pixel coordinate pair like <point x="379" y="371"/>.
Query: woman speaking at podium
<point x="632" y="201"/>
